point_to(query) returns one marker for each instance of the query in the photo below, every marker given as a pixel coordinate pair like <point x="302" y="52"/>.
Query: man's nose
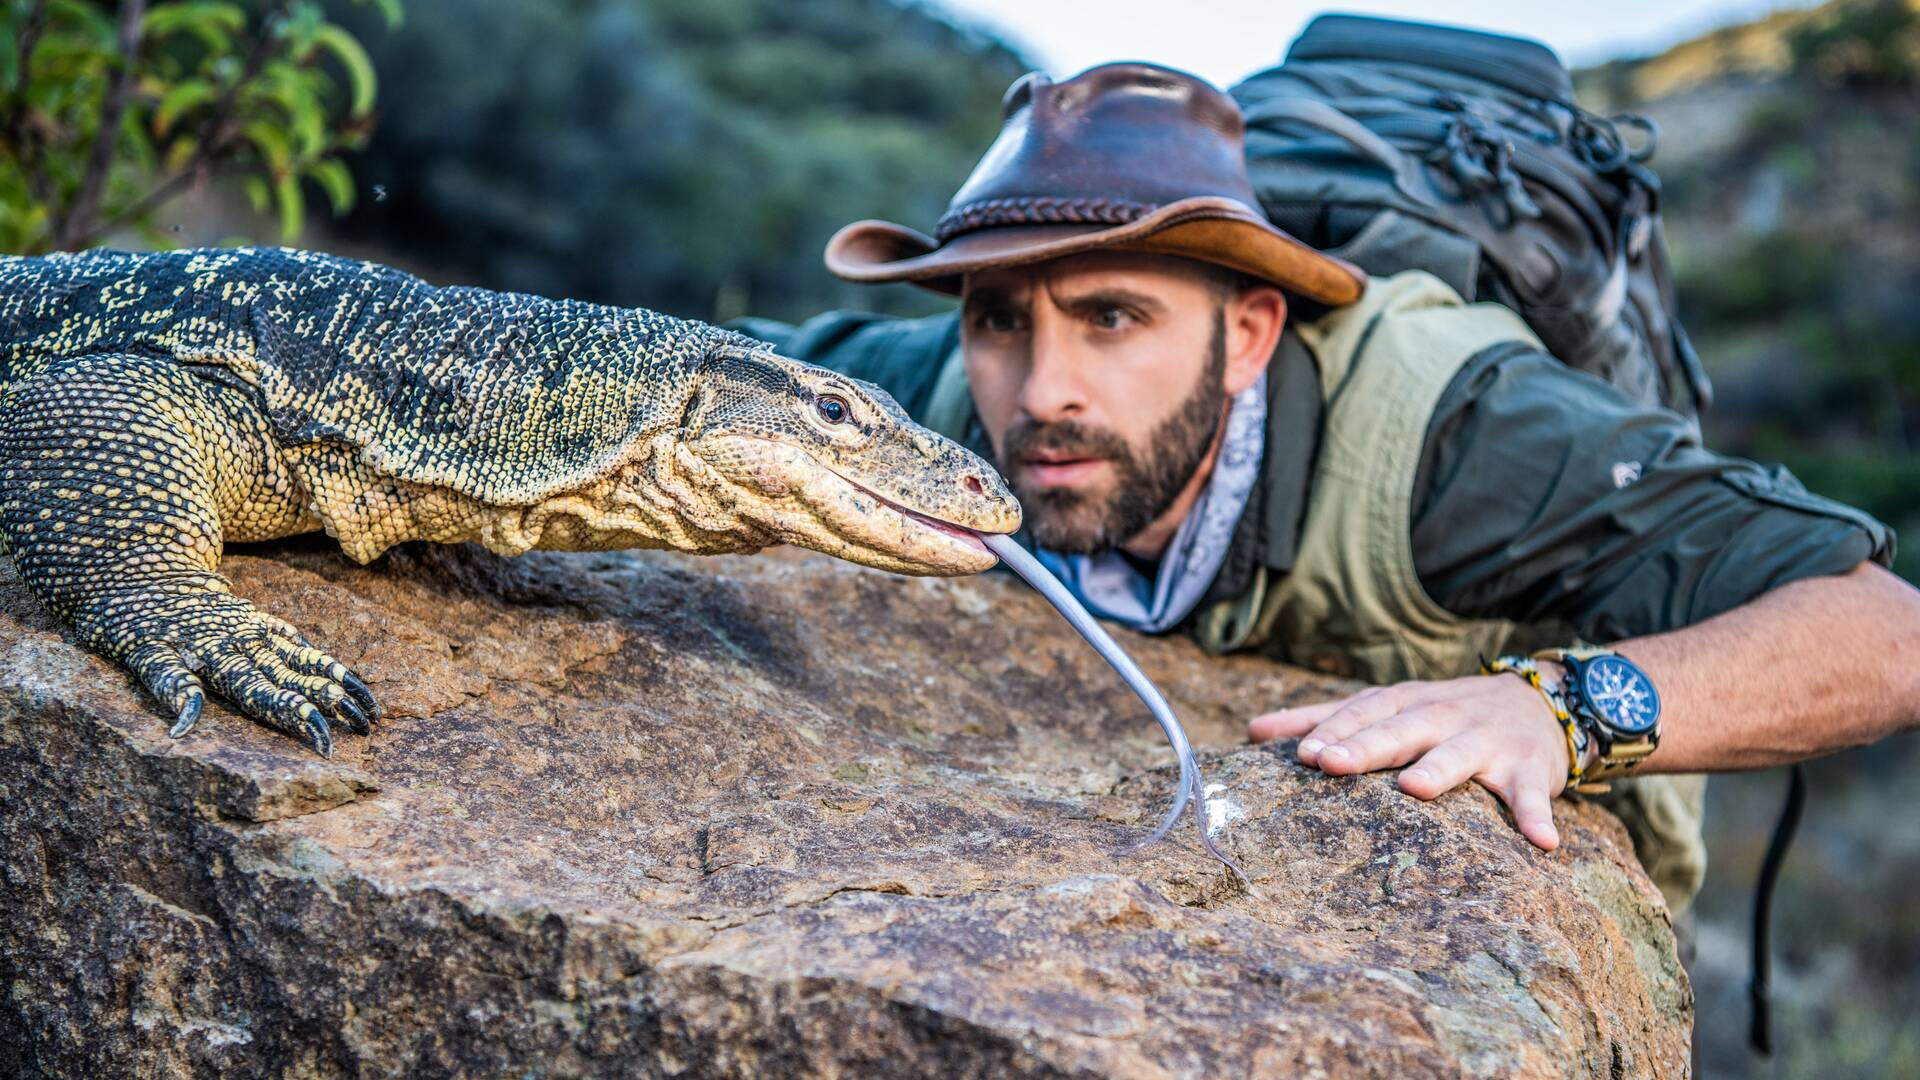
<point x="1055" y="388"/>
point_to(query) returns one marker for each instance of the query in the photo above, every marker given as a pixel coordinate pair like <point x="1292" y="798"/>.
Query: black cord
<point x="1759" y="989"/>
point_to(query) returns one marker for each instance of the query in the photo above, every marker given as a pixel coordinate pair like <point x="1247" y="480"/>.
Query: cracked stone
<point x="648" y="815"/>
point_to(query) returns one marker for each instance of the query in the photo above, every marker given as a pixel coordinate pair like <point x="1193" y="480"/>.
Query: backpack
<point x="1400" y="145"/>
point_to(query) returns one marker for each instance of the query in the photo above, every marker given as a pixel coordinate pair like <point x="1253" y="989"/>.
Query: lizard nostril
<point x="973" y="485"/>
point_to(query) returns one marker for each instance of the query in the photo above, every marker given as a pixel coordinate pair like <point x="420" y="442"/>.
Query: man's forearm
<point x="1812" y="667"/>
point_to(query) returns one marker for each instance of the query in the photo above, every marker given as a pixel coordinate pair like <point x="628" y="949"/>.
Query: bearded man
<point x="1220" y="431"/>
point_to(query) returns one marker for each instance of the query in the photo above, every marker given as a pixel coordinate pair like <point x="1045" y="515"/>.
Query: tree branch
<point x="24" y="140"/>
<point x="215" y="133"/>
<point x="29" y="37"/>
<point x="78" y="220"/>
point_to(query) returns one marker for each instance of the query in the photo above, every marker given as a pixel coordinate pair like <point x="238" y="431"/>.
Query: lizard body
<point x="155" y="406"/>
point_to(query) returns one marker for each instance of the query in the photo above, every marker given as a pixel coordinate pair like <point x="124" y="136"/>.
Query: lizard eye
<point x="833" y="409"/>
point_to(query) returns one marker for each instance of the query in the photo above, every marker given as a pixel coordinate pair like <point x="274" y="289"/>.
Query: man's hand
<point x="1496" y="730"/>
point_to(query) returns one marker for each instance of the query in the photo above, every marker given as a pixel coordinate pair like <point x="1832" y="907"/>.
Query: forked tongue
<point x="1190" y="792"/>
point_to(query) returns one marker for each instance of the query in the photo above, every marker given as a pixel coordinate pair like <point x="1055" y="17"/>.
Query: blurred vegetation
<point x="1865" y="43"/>
<point x="688" y="155"/>
<point x="108" y="111"/>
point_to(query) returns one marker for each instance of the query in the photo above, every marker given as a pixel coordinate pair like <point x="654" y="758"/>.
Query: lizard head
<point x="831" y="463"/>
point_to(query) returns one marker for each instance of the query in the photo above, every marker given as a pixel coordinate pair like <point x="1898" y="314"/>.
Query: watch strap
<point x="1615" y="757"/>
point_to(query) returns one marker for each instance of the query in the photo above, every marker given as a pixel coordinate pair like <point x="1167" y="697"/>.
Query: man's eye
<point x="1112" y="318"/>
<point x="997" y="322"/>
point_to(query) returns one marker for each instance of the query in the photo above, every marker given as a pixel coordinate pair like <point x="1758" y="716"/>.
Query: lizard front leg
<point x="113" y="472"/>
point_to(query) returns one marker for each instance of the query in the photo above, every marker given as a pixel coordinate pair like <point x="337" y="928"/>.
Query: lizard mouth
<point x="958" y="532"/>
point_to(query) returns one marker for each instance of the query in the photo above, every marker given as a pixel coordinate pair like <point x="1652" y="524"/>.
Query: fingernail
<point x="1311" y="746"/>
<point x="1421" y="775"/>
<point x="1338" y="752"/>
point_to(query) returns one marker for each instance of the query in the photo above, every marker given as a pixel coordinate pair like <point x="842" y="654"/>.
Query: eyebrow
<point x="988" y="299"/>
<point x="1097" y="300"/>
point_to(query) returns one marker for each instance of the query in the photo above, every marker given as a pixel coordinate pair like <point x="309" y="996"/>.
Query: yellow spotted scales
<point x="155" y="406"/>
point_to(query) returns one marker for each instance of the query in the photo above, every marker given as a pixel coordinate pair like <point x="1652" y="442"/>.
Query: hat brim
<point x="1212" y="229"/>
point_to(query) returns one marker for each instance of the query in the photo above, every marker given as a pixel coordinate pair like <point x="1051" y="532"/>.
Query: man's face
<point x="1102" y="380"/>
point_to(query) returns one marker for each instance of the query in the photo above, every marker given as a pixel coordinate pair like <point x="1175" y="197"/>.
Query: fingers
<point x="1495" y="732"/>
<point x="1357" y="712"/>
<point x="1447" y="766"/>
<point x="1525" y="785"/>
<point x="1289" y="723"/>
<point x="1533" y="812"/>
<point x="1395" y="740"/>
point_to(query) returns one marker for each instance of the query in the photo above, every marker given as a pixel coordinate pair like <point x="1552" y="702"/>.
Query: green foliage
<point x="1864" y="43"/>
<point x="109" y="110"/>
<point x="1766" y="278"/>
<point x="691" y="155"/>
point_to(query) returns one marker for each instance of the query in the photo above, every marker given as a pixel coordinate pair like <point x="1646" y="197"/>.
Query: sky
<point x="1224" y="40"/>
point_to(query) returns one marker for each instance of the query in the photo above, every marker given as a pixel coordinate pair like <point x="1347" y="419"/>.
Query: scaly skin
<point x="154" y="407"/>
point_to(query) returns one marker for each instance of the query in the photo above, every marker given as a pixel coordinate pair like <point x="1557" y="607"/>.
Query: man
<point x="1215" y="429"/>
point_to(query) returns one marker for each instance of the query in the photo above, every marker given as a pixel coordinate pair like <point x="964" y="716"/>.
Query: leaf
<point x="332" y="176"/>
<point x="212" y="22"/>
<point x="182" y="97"/>
<point x="290" y="90"/>
<point x="293" y="206"/>
<point x="390" y="10"/>
<point x="180" y="151"/>
<point x="354" y="58"/>
<point x="86" y="18"/>
<point x="258" y="196"/>
<point x="272" y="145"/>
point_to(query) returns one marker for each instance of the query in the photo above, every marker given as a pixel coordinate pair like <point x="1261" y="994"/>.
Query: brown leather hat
<point x="1131" y="156"/>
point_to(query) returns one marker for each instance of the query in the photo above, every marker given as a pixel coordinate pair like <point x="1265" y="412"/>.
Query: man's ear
<point x="1254" y="318"/>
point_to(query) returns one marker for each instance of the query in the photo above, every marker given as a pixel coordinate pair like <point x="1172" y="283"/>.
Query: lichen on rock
<point x="647" y="815"/>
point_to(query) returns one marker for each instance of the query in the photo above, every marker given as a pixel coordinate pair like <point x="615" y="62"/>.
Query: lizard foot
<point x="178" y="643"/>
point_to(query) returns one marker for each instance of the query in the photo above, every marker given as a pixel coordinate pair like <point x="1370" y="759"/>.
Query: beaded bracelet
<point x="1528" y="669"/>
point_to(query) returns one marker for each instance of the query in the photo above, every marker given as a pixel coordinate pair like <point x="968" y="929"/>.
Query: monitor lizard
<point x="154" y="406"/>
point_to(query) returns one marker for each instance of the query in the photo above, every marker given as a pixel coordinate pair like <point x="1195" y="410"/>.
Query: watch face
<point x="1622" y="694"/>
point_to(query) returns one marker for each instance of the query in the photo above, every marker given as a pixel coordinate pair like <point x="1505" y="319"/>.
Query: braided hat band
<point x="1038" y="210"/>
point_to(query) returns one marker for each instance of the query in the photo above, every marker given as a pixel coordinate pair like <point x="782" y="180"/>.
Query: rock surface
<point x="771" y="816"/>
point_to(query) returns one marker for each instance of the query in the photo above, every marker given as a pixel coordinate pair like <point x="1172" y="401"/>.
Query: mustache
<point x="1028" y="436"/>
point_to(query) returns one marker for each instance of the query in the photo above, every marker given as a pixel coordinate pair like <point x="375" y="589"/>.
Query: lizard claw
<point x="356" y="718"/>
<point x="185" y="644"/>
<point x="369" y="705"/>
<point x="316" y="733"/>
<point x="189" y="714"/>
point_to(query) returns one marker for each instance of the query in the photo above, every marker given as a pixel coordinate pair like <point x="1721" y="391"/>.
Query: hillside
<point x="687" y="155"/>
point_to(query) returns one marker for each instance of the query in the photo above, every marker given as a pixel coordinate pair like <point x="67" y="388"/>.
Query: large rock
<point x="773" y="816"/>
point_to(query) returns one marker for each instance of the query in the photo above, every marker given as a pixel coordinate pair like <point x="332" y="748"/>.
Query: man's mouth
<point x="1059" y="468"/>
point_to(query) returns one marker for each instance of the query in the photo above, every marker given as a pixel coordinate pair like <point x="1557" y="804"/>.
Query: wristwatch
<point x="1615" y="705"/>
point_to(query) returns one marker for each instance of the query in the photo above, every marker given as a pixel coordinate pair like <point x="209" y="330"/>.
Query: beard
<point x="1147" y="479"/>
